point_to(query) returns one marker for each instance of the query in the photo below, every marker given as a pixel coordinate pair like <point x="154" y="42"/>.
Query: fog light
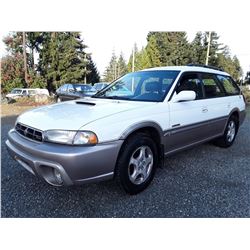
<point x="58" y="176"/>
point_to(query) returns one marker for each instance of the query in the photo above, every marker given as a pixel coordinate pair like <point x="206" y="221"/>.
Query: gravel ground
<point x="205" y="181"/>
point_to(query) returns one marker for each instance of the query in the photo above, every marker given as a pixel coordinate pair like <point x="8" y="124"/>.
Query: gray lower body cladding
<point x="76" y="164"/>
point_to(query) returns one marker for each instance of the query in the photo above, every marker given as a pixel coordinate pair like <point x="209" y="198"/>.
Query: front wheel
<point x="230" y="133"/>
<point x="137" y="163"/>
<point x="58" y="99"/>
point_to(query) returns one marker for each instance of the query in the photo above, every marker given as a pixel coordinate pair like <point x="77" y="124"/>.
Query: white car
<point x="127" y="136"/>
<point x="20" y="92"/>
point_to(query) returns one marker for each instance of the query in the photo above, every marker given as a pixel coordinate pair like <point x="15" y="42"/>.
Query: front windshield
<point x="16" y="91"/>
<point x="99" y="86"/>
<point x="150" y="86"/>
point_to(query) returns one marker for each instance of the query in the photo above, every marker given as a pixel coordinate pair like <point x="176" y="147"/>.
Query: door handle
<point x="204" y="110"/>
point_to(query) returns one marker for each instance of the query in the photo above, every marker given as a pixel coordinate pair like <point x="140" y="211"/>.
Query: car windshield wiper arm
<point x="115" y="97"/>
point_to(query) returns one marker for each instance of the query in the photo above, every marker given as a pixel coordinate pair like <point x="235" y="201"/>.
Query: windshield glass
<point x="99" y="86"/>
<point x="16" y="91"/>
<point x="150" y="86"/>
<point x="82" y="88"/>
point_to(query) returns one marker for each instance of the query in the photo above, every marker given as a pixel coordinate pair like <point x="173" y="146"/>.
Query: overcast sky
<point x="116" y="25"/>
<point x="101" y="46"/>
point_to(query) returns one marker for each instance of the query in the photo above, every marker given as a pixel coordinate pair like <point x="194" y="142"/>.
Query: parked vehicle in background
<point x="74" y="91"/>
<point x="24" y="92"/>
<point x="100" y="85"/>
<point x="126" y="129"/>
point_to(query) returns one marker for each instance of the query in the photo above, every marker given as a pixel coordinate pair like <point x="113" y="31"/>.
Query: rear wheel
<point x="230" y="133"/>
<point x="137" y="163"/>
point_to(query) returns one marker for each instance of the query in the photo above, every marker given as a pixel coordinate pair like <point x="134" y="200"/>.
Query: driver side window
<point x="190" y="82"/>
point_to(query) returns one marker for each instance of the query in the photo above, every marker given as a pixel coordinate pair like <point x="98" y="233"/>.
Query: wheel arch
<point x="153" y="130"/>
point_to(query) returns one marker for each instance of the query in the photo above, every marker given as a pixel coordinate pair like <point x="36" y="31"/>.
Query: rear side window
<point x="212" y="87"/>
<point x="228" y="84"/>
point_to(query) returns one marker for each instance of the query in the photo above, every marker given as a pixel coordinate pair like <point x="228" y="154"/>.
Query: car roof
<point x="189" y="69"/>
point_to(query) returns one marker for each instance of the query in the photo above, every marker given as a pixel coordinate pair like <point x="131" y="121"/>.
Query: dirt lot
<point x="13" y="109"/>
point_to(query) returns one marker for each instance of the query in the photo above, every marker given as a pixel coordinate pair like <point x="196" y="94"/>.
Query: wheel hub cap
<point x="140" y="165"/>
<point x="231" y="131"/>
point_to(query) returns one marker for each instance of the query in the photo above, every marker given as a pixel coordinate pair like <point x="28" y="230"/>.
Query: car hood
<point x="72" y="115"/>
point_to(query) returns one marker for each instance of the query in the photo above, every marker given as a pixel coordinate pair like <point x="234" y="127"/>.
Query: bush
<point x="246" y="93"/>
<point x="36" y="100"/>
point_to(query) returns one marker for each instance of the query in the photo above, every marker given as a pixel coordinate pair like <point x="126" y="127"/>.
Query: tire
<point x="58" y="99"/>
<point x="136" y="164"/>
<point x="230" y="133"/>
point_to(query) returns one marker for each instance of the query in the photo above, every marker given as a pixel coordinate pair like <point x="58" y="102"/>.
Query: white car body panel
<point x="56" y="116"/>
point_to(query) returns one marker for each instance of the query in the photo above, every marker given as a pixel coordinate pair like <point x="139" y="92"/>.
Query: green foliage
<point x="12" y="74"/>
<point x="246" y="93"/>
<point x="93" y="74"/>
<point x="61" y="59"/>
<point x="173" y="47"/>
<point x="152" y="54"/>
<point x="116" y="68"/>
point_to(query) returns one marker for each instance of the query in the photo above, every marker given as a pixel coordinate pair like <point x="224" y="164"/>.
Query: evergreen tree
<point x="110" y="73"/>
<point x="62" y="59"/>
<point x="173" y="47"/>
<point x="215" y="48"/>
<point x="152" y="53"/>
<point x="92" y="72"/>
<point x="197" y="51"/>
<point x="121" y="66"/>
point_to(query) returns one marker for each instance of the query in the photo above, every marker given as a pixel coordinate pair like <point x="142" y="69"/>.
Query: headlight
<point x="71" y="137"/>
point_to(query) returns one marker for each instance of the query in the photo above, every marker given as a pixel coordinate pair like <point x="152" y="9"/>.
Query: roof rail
<point x="205" y="66"/>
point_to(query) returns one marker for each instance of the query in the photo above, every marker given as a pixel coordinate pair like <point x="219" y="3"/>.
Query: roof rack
<point x="205" y="66"/>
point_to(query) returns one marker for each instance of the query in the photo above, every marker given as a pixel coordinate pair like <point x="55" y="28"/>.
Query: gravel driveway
<point x="205" y="181"/>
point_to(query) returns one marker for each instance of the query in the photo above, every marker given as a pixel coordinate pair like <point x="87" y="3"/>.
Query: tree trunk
<point x="25" y="62"/>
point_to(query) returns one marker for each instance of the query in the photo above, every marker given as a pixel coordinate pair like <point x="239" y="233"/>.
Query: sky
<point x="101" y="45"/>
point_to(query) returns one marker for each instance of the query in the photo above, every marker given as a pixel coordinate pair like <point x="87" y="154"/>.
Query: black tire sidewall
<point x="122" y="165"/>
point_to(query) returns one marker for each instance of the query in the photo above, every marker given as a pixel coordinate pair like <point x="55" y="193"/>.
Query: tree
<point x="12" y="74"/>
<point x="121" y="66"/>
<point x="215" y="48"/>
<point x="93" y="74"/>
<point x="25" y="61"/>
<point x="153" y="54"/>
<point x="110" y="73"/>
<point x="173" y="47"/>
<point x="62" y="59"/>
<point x="198" y="50"/>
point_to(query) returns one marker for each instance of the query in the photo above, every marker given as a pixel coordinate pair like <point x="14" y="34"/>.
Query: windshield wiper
<point x="114" y="97"/>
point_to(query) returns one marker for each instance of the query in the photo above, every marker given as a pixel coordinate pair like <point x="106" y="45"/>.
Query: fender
<point x="141" y="125"/>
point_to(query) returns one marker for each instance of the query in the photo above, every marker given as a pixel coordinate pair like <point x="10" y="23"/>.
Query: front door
<point x="187" y="118"/>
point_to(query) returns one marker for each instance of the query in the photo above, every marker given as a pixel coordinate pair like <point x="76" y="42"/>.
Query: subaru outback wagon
<point x="127" y="136"/>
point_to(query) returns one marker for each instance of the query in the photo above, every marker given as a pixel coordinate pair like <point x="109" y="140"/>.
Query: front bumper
<point x="76" y="164"/>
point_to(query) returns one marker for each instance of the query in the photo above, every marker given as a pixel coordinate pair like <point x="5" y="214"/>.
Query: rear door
<point x="216" y="103"/>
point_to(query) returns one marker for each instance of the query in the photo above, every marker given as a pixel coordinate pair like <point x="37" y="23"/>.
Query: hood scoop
<point x="86" y="103"/>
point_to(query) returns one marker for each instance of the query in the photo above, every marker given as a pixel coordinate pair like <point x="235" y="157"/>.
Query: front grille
<point x="28" y="132"/>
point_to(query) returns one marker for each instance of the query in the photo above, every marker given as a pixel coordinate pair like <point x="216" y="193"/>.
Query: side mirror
<point x="185" y="95"/>
<point x="71" y="90"/>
